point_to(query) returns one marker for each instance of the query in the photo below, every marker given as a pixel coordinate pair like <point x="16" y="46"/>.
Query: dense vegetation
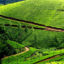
<point x="37" y="11"/>
<point x="41" y="44"/>
<point x="8" y="1"/>
<point x="56" y="63"/>
<point x="5" y="48"/>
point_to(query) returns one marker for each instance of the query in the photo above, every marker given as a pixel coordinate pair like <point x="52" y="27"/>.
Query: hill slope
<point x="40" y="11"/>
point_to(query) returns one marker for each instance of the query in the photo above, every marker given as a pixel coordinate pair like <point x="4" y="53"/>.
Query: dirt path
<point x="47" y="59"/>
<point x="48" y="28"/>
<point x="54" y="29"/>
<point x="26" y="49"/>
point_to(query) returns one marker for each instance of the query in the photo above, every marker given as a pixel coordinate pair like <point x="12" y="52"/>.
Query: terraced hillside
<point x="44" y="12"/>
<point x="34" y="30"/>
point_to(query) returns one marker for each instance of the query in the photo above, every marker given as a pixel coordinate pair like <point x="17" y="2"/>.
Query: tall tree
<point x="4" y="2"/>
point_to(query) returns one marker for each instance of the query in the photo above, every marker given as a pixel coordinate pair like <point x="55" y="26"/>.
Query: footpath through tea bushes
<point x="48" y="28"/>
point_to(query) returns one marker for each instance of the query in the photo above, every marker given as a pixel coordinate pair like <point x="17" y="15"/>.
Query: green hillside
<point x="56" y="62"/>
<point x="39" y="11"/>
<point x="1" y="4"/>
<point x="24" y="37"/>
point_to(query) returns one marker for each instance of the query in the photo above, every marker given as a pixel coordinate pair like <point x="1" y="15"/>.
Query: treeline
<point x="14" y="35"/>
<point x="5" y="48"/>
<point x="8" y="1"/>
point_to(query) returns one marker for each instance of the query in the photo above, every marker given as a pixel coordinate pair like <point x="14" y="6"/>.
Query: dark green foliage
<point x="26" y="43"/>
<point x="5" y="49"/>
<point x="3" y="2"/>
<point x="16" y="46"/>
<point x="8" y="1"/>
<point x="21" y="57"/>
<point x="2" y="49"/>
<point x="38" y="11"/>
<point x="18" y="34"/>
<point x="61" y="45"/>
<point x="46" y="39"/>
<point x="55" y="43"/>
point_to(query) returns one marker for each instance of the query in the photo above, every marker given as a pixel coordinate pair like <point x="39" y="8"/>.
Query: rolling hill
<point x="19" y="20"/>
<point x="40" y="11"/>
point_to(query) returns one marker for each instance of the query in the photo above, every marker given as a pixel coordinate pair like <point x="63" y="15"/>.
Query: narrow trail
<point x="26" y="49"/>
<point x="47" y="59"/>
<point x="54" y="29"/>
<point x="48" y="28"/>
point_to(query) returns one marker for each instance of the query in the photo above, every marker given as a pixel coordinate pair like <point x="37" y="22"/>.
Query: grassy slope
<point x="42" y="38"/>
<point x="15" y="45"/>
<point x="60" y="58"/>
<point x="56" y="62"/>
<point x="36" y="38"/>
<point x="19" y="58"/>
<point x="13" y="22"/>
<point x="18" y="11"/>
<point x="28" y="59"/>
<point x="1" y="4"/>
<point x="39" y="16"/>
<point x="39" y="37"/>
<point x="40" y="11"/>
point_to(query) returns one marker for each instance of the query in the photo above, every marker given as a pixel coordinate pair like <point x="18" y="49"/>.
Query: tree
<point x="2" y="45"/>
<point x="8" y="1"/>
<point x="5" y="48"/>
<point x="3" y="2"/>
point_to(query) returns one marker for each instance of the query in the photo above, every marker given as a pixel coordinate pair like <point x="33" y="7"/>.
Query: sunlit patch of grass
<point x="39" y="11"/>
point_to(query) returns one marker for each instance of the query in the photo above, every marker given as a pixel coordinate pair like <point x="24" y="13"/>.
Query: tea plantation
<point x="24" y="38"/>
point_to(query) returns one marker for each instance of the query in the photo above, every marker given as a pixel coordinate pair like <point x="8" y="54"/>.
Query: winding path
<point x="48" y="28"/>
<point x="26" y="49"/>
<point x="47" y="59"/>
<point x="52" y="57"/>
